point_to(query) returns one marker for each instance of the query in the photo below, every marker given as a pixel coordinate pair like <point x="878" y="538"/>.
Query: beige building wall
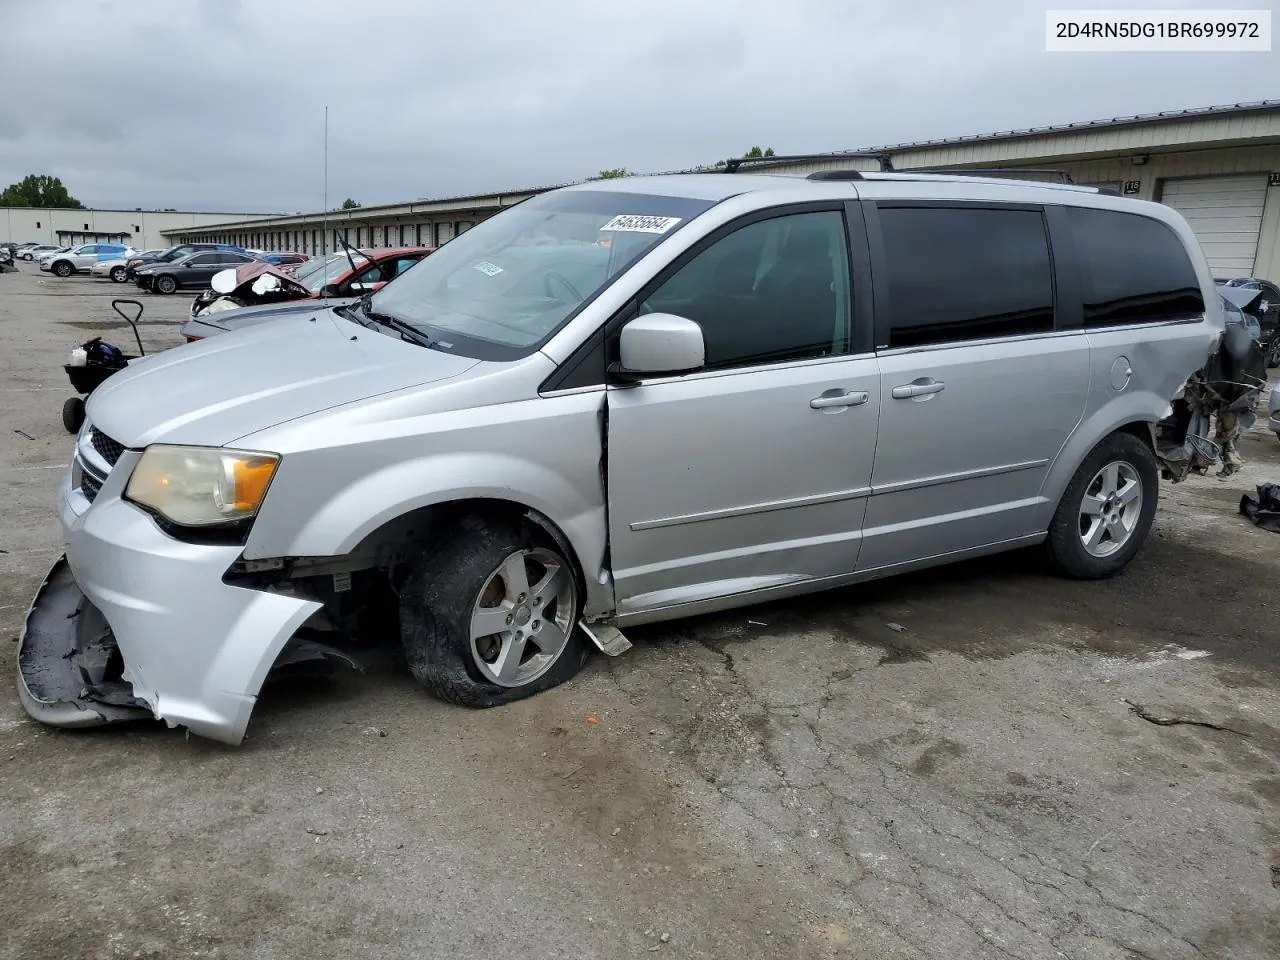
<point x="139" y="228"/>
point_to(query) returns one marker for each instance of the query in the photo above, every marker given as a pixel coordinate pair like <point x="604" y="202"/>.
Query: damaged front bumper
<point x="132" y="623"/>
<point x="69" y="671"/>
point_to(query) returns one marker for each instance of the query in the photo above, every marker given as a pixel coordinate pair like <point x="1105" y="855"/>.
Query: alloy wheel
<point x="523" y="617"/>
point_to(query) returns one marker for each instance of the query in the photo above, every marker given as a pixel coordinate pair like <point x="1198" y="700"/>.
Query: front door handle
<point x="850" y="399"/>
<point x="921" y="388"/>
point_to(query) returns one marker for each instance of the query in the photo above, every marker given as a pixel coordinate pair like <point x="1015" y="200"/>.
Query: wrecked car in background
<point x="551" y="429"/>
<point x="336" y="276"/>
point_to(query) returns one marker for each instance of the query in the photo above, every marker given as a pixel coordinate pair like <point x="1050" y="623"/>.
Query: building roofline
<point x="423" y="204"/>
<point x="172" y="213"/>
<point x="1136" y="119"/>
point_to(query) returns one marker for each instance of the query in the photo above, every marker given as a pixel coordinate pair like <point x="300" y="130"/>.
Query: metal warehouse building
<point x="1218" y="166"/>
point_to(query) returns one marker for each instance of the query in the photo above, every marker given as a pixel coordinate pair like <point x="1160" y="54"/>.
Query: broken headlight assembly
<point x="201" y="487"/>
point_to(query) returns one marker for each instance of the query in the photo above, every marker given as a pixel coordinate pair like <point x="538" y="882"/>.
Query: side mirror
<point x="660" y="343"/>
<point x="330" y="291"/>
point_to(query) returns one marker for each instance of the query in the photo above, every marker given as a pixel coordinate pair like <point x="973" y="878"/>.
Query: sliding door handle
<point x="918" y="389"/>
<point x="851" y="399"/>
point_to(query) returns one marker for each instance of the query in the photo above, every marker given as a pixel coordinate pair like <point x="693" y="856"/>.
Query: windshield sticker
<point x="487" y="268"/>
<point x="637" y="223"/>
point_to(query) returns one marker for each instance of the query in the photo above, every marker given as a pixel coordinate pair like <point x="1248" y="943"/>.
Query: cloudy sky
<point x="219" y="104"/>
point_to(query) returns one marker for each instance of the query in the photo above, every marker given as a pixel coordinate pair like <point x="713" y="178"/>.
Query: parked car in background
<point x="330" y="277"/>
<point x="34" y="251"/>
<point x="280" y="258"/>
<point x="1265" y="306"/>
<point x="82" y="258"/>
<point x="115" y="269"/>
<point x="193" y="270"/>
<point x="170" y="254"/>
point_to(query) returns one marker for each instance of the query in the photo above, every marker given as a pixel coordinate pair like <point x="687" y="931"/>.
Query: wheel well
<point x="1143" y="430"/>
<point x="414" y="531"/>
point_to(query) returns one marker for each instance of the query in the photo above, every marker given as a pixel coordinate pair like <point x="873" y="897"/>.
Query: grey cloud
<point x="220" y="105"/>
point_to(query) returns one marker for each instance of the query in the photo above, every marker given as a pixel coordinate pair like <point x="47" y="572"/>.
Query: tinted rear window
<point x="957" y="273"/>
<point x="1135" y="269"/>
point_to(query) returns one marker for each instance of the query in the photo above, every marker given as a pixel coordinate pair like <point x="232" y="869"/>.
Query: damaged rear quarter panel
<point x="1161" y="356"/>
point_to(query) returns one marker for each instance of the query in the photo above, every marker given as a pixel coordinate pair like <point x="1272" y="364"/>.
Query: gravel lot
<point x="794" y="780"/>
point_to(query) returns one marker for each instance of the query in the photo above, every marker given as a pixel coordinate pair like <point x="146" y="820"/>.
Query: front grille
<point x="107" y="448"/>
<point x="89" y="485"/>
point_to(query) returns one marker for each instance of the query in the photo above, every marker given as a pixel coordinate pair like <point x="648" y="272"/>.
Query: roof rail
<point x="733" y="163"/>
<point x="1002" y="173"/>
<point x="836" y="175"/>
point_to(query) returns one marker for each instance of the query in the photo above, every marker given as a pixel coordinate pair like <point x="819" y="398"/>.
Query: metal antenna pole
<point x="325" y="208"/>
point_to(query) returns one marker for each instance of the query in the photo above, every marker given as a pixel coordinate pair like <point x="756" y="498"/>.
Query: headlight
<point x="201" y="486"/>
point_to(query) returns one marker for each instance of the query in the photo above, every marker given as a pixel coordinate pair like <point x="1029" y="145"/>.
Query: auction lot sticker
<point x="1174" y="31"/>
<point x="638" y="223"/>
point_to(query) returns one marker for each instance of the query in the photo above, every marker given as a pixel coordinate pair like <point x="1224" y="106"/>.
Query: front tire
<point x="1107" y="510"/>
<point x="117" y="275"/>
<point x="165" y="284"/>
<point x="62" y="269"/>
<point x="490" y="615"/>
<point x="73" y="414"/>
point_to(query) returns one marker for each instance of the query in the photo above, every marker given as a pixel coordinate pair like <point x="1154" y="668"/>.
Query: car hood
<point x="1243" y="298"/>
<point x="217" y="390"/>
<point x="246" y="274"/>
<point x="242" y="317"/>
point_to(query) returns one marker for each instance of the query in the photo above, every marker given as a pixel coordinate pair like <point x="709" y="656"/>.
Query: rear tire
<point x="489" y="573"/>
<point x="73" y="414"/>
<point x="62" y="269"/>
<point x="165" y="284"/>
<point x="117" y="275"/>
<point x="1107" y="510"/>
<point x="1273" y="350"/>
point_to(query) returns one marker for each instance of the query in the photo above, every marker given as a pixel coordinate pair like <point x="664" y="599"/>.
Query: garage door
<point x="1226" y="214"/>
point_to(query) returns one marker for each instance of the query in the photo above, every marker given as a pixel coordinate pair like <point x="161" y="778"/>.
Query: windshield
<point x="317" y="273"/>
<point x="515" y="278"/>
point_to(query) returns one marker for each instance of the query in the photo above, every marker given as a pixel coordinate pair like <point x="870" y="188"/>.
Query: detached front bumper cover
<point x="69" y="666"/>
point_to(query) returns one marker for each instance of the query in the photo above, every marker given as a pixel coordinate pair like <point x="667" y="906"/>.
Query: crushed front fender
<point x="69" y="666"/>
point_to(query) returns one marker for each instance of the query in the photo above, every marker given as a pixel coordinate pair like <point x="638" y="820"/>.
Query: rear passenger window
<point x="955" y="273"/>
<point x="1135" y="269"/>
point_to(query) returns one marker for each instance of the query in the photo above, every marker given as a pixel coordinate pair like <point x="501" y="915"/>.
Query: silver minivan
<point x="616" y="403"/>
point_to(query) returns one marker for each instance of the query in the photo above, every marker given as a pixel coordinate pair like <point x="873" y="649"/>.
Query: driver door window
<point x="774" y="290"/>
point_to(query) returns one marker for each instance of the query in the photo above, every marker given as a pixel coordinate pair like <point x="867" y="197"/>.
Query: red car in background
<point x="320" y="278"/>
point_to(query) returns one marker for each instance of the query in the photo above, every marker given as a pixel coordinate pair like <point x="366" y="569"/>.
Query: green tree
<point x="39" y="190"/>
<point x="349" y="204"/>
<point x="757" y="152"/>
<point x="613" y="174"/>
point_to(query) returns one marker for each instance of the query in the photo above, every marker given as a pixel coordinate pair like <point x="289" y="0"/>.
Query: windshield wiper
<point x="406" y="330"/>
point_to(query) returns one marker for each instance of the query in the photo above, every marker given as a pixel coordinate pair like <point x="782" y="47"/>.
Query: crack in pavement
<point x="1160" y="721"/>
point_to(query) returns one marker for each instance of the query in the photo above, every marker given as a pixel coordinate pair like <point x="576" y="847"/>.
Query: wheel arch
<point x="1136" y="414"/>
<point x="345" y="525"/>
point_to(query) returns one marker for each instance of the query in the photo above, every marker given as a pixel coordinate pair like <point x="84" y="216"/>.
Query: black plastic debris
<point x="1264" y="510"/>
